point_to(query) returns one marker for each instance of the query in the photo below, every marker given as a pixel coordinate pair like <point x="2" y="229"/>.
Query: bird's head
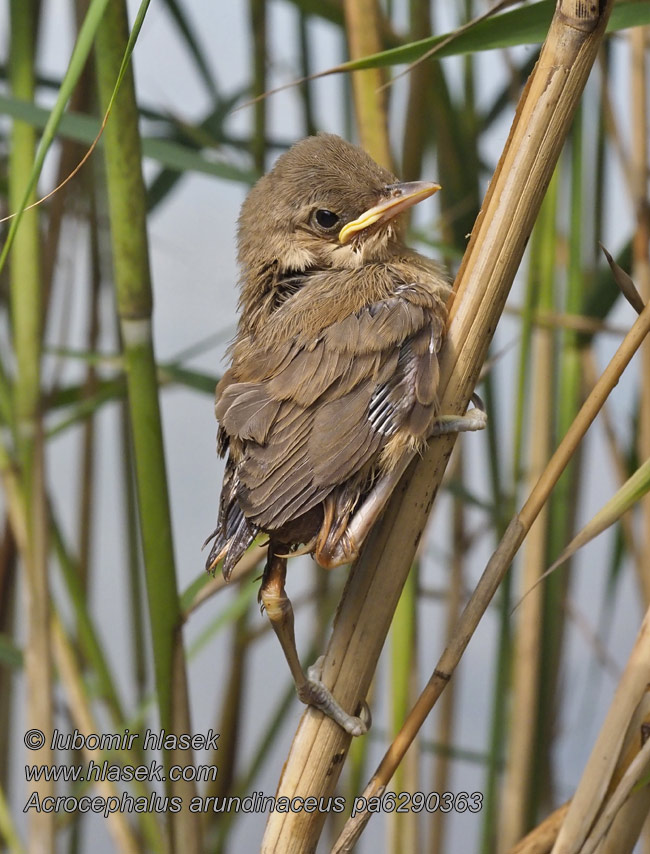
<point x="325" y="204"/>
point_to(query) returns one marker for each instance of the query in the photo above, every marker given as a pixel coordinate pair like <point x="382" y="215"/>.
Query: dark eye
<point x="326" y="219"/>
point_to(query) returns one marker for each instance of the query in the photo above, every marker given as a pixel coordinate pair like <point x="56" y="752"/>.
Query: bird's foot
<point x="474" y="419"/>
<point x="314" y="693"/>
<point x="330" y="555"/>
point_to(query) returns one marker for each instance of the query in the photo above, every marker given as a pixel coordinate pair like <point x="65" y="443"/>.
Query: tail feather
<point x="234" y="533"/>
<point x="244" y="535"/>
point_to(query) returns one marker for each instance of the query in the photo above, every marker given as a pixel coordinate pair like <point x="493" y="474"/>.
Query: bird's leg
<point x="347" y="547"/>
<point x="309" y="688"/>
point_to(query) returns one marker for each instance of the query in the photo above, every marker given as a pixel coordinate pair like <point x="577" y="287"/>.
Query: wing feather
<point x="248" y="411"/>
<point x="324" y="417"/>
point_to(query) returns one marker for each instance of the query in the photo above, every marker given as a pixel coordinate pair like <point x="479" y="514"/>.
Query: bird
<point x="333" y="376"/>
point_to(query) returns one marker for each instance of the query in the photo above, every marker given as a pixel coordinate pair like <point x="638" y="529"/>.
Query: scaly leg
<point x="309" y="688"/>
<point x="347" y="548"/>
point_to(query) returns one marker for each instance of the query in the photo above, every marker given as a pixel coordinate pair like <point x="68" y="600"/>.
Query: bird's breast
<point x="325" y="298"/>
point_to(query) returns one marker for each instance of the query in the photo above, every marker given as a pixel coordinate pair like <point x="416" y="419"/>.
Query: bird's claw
<point x="314" y="693"/>
<point x="303" y="550"/>
<point x="345" y="551"/>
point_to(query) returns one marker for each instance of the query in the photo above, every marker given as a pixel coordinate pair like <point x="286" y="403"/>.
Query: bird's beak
<point x="402" y="196"/>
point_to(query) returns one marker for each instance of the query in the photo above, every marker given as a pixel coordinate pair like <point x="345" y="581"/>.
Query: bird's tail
<point x="232" y="536"/>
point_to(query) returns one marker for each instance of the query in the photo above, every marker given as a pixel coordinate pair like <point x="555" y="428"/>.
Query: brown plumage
<point x="335" y="364"/>
<point x="334" y="368"/>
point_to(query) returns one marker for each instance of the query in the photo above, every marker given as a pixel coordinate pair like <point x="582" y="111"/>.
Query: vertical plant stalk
<point x="641" y="256"/>
<point x="306" y="88"/>
<point x="444" y="733"/>
<point x="505" y="508"/>
<point x="135" y="583"/>
<point x="457" y="156"/>
<point x="127" y="209"/>
<point x="258" y="33"/>
<point x="362" y="29"/>
<point x="87" y="455"/>
<point x="8" y="588"/>
<point x="403" y="827"/>
<point x="564" y="500"/>
<point x="416" y="124"/>
<point x="502" y="667"/>
<point x="58" y="204"/>
<point x="495" y="250"/>
<point x="8" y="829"/>
<point x="26" y="313"/>
<point x="119" y="827"/>
<point x="230" y="719"/>
<point x="523" y="728"/>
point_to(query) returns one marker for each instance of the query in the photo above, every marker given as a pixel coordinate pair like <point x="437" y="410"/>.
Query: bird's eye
<point x="326" y="219"/>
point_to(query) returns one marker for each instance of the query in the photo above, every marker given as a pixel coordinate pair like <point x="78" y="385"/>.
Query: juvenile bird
<point x="334" y="373"/>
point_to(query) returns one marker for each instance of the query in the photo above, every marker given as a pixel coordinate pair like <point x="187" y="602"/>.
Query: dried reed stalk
<point x="541" y="839"/>
<point x="362" y="29"/>
<point x="626" y="811"/>
<point x="497" y="568"/>
<point x="497" y="244"/>
<point x="590" y="800"/>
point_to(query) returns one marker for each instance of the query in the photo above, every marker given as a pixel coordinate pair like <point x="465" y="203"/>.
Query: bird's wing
<point x="332" y="406"/>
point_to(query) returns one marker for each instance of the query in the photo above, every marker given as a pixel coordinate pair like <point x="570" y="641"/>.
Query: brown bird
<point x="332" y="386"/>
